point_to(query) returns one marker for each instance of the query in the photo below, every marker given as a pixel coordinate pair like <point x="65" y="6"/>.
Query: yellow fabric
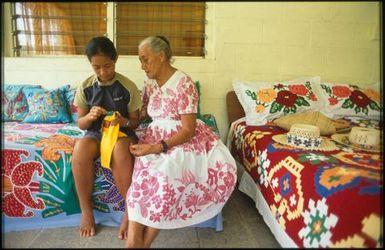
<point x="315" y="118"/>
<point x="110" y="135"/>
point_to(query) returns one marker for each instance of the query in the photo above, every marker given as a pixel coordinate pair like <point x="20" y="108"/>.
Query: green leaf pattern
<point x="278" y="107"/>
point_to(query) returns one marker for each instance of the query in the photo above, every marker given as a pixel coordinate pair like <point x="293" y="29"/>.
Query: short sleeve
<point x="80" y="99"/>
<point x="187" y="96"/>
<point x="135" y="100"/>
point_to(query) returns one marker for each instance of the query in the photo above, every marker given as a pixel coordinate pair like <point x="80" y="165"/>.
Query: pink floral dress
<point x="191" y="182"/>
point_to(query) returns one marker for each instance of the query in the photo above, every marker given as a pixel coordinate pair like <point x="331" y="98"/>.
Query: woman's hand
<point x="145" y="149"/>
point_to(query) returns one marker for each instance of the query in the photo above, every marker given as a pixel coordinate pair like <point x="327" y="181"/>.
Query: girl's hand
<point x="96" y="112"/>
<point x="145" y="149"/>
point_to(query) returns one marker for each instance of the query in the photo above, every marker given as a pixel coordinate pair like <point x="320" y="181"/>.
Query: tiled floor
<point x="243" y="228"/>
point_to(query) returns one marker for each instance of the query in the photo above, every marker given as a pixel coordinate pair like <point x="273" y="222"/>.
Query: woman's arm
<point x="184" y="135"/>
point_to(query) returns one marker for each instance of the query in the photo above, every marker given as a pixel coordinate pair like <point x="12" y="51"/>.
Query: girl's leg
<point x="84" y="153"/>
<point x="122" y="165"/>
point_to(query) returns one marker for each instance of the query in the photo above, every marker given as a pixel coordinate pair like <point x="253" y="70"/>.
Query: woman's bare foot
<point x="87" y="226"/>
<point x="123" y="227"/>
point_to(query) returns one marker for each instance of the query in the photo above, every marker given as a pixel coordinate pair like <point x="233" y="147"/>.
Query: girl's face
<point x="104" y="67"/>
<point x="151" y="61"/>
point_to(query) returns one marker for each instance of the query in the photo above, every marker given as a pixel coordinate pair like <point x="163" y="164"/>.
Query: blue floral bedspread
<point x="38" y="185"/>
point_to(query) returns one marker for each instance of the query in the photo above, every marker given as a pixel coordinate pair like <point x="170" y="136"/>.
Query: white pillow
<point x="265" y="101"/>
<point x="340" y="100"/>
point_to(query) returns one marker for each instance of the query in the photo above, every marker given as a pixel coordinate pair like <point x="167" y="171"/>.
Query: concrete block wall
<point x="253" y="41"/>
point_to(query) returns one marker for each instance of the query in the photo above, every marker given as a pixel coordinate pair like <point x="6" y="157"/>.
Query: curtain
<point x="41" y="33"/>
<point x="58" y="28"/>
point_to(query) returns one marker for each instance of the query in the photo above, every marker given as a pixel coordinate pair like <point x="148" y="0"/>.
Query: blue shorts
<point x="93" y="134"/>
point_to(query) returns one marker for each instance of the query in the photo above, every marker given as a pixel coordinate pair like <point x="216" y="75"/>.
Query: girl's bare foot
<point x="123" y="227"/>
<point x="87" y="226"/>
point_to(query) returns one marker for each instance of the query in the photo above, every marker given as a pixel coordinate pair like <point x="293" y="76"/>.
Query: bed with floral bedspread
<point x="38" y="185"/>
<point x="311" y="198"/>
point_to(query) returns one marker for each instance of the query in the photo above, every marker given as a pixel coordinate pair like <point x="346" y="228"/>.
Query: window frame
<point x="111" y="33"/>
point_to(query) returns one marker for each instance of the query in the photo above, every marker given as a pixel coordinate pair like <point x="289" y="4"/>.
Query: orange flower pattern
<point x="283" y="97"/>
<point x="55" y="143"/>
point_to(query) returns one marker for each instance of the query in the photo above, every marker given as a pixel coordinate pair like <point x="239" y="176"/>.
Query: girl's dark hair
<point x="101" y="45"/>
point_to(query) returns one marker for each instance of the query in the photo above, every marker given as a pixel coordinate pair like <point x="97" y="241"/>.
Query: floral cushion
<point x="265" y="101"/>
<point x="72" y="109"/>
<point x="345" y="100"/>
<point x="46" y="106"/>
<point x="14" y="103"/>
<point x="198" y="87"/>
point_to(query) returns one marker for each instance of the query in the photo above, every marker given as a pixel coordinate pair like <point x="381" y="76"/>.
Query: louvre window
<point x="55" y="28"/>
<point x="183" y="23"/>
<point x="58" y="28"/>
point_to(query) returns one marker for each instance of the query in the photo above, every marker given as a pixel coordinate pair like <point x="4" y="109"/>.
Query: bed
<point x="308" y="198"/>
<point x="39" y="133"/>
<point x="38" y="186"/>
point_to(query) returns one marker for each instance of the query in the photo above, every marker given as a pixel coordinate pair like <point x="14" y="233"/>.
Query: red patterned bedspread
<point x="320" y="199"/>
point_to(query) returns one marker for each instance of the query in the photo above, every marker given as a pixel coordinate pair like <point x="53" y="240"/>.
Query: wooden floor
<point x="243" y="227"/>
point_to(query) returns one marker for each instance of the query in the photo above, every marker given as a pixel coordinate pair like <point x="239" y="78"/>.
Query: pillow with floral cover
<point x="265" y="101"/>
<point x="72" y="109"/>
<point x="47" y="106"/>
<point x="13" y="101"/>
<point x="346" y="100"/>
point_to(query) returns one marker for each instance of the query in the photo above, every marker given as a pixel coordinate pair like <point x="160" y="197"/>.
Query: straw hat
<point x="359" y="138"/>
<point x="305" y="136"/>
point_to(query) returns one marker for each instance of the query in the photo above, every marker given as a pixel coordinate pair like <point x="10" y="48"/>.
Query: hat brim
<point x="344" y="139"/>
<point x="326" y="144"/>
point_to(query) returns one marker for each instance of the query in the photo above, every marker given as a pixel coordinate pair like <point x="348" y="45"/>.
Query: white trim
<point x="110" y="22"/>
<point x="248" y="186"/>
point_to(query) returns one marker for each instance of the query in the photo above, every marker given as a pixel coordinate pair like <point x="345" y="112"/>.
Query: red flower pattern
<point x="359" y="98"/>
<point x="341" y="91"/>
<point x="333" y="101"/>
<point x="298" y="89"/>
<point x="286" y="98"/>
<point x="18" y="188"/>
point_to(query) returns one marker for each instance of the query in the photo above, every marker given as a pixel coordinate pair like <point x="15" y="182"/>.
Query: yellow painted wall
<point x="254" y="41"/>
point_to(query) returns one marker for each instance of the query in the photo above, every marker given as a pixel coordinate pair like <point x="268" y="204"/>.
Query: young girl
<point x="104" y="91"/>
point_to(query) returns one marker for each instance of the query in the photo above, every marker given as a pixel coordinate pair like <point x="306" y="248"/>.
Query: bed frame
<point x="247" y="185"/>
<point x="234" y="107"/>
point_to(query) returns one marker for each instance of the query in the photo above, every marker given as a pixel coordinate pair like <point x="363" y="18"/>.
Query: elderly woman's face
<point x="150" y="61"/>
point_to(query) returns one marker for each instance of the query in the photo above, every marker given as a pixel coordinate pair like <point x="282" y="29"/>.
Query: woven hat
<point x="305" y="136"/>
<point x="359" y="138"/>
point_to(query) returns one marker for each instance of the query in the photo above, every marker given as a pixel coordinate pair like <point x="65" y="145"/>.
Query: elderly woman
<point x="183" y="173"/>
